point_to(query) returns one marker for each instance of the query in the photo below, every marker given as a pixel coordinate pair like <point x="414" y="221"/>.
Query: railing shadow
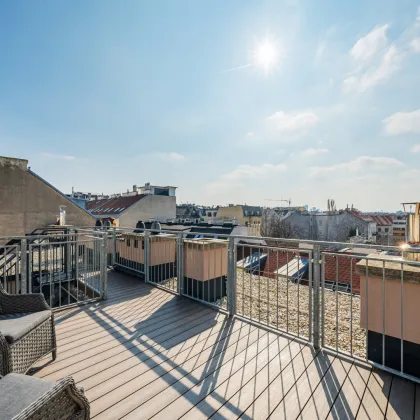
<point x="146" y="335"/>
<point x="154" y="335"/>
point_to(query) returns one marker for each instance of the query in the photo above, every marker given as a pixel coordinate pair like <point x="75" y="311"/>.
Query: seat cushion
<point x="15" y="326"/>
<point x="17" y="392"/>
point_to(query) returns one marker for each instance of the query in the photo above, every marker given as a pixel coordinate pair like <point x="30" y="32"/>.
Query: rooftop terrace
<point x="147" y="353"/>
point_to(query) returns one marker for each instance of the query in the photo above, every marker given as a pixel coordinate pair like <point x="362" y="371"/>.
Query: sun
<point x="265" y="55"/>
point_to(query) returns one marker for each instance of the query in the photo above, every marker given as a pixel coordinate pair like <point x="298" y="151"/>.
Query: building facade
<point x="28" y="202"/>
<point x="336" y="226"/>
<point x="245" y="215"/>
<point x="126" y="210"/>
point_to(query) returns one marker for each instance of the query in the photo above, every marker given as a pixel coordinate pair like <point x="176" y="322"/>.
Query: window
<point x="209" y="214"/>
<point x="214" y="214"/>
<point x="128" y="242"/>
<point x="136" y="243"/>
<point x="379" y="229"/>
<point x="386" y="229"/>
<point x="162" y="191"/>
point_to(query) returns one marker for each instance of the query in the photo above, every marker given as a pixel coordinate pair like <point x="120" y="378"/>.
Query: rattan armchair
<point x="24" y="397"/>
<point x="27" y="331"/>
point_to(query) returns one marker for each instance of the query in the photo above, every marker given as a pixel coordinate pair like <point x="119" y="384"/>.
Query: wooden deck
<point x="145" y="353"/>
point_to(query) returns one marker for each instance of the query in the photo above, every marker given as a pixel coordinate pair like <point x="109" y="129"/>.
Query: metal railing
<point x="323" y="292"/>
<point x="355" y="299"/>
<point x="67" y="267"/>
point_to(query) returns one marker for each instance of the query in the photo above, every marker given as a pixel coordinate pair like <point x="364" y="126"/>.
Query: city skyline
<point x="231" y="103"/>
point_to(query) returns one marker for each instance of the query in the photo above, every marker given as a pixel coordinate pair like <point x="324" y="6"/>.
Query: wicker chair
<point x="24" y="397"/>
<point x="27" y="331"/>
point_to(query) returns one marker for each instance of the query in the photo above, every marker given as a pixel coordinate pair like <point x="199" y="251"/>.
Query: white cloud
<point x="59" y="157"/>
<point x="368" y="77"/>
<point x="361" y="163"/>
<point x="368" y="46"/>
<point x="375" y="59"/>
<point x="250" y="134"/>
<point x="172" y="156"/>
<point x="413" y="174"/>
<point x="288" y="122"/>
<point x="320" y="50"/>
<point x="245" y="173"/>
<point x="415" y="45"/>
<point x="402" y="122"/>
<point x="312" y="152"/>
<point x="416" y="148"/>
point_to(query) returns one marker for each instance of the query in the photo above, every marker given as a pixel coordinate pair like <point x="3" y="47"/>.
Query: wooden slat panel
<point x="107" y="325"/>
<point x="121" y="343"/>
<point x="300" y="391"/>
<point x="349" y="399"/>
<point x="375" y="397"/>
<point x="125" y="313"/>
<point x="207" y="333"/>
<point x="262" y="405"/>
<point x="159" y="394"/>
<point x="145" y="352"/>
<point x="241" y="388"/>
<point x="324" y="396"/>
<point x="154" y="363"/>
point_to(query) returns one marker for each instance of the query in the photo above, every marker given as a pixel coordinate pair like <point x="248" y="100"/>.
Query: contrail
<point x="235" y="68"/>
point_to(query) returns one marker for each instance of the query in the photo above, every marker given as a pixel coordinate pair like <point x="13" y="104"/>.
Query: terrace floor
<point x="146" y="353"/>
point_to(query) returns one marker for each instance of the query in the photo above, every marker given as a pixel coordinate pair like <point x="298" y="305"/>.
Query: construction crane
<point x="289" y="201"/>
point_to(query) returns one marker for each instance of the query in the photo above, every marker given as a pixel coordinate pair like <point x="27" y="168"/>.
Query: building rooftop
<point x="380" y="219"/>
<point x="251" y="210"/>
<point x="112" y="206"/>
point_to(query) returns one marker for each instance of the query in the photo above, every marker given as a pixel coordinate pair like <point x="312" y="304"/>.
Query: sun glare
<point x="265" y="55"/>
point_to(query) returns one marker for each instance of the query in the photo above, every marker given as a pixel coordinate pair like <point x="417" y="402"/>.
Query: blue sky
<point x="101" y="95"/>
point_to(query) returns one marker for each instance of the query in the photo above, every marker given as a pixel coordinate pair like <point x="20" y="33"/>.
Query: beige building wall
<point x="157" y="207"/>
<point x="253" y="222"/>
<point x="205" y="260"/>
<point x="28" y="203"/>
<point x="392" y="308"/>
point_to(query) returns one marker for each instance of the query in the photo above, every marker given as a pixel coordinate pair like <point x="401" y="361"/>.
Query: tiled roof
<point x="381" y="220"/>
<point x="110" y="206"/>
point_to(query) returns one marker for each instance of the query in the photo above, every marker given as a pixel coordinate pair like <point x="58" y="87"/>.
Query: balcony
<point x="221" y="328"/>
<point x="147" y="353"/>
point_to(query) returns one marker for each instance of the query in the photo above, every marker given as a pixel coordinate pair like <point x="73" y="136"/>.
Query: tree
<point x="275" y="226"/>
<point x="332" y="208"/>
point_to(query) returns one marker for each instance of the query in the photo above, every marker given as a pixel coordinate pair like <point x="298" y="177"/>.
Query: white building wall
<point x="156" y="207"/>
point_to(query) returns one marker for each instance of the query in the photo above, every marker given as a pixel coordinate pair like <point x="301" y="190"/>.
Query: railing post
<point x="180" y="263"/>
<point x="24" y="267"/>
<point x="67" y="260"/>
<point x="76" y="257"/>
<point x="114" y="246"/>
<point x="146" y="256"/>
<point x="316" y="301"/>
<point x="231" y="278"/>
<point x="104" y="265"/>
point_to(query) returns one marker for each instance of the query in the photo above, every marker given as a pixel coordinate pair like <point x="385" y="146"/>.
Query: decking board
<point x="146" y="353"/>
